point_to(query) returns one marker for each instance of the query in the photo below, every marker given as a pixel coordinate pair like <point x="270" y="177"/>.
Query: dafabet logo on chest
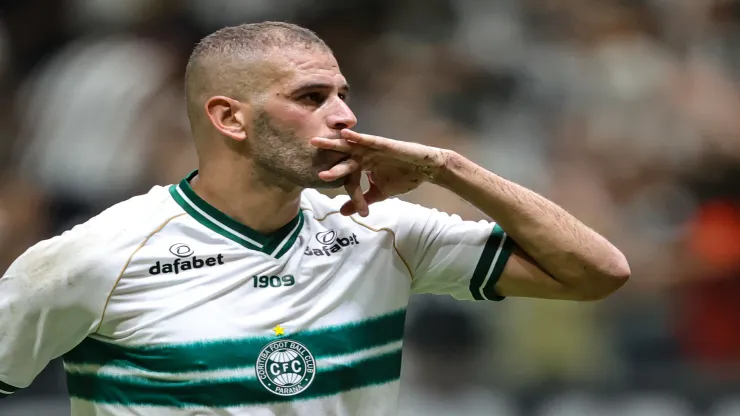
<point x="187" y="260"/>
<point x="330" y="243"/>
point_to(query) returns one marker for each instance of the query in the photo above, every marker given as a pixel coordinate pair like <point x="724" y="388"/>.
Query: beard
<point x="287" y="160"/>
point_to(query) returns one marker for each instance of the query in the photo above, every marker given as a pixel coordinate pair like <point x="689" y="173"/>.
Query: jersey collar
<point x="275" y="244"/>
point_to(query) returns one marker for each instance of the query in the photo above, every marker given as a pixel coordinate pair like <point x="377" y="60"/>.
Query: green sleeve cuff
<point x="490" y="266"/>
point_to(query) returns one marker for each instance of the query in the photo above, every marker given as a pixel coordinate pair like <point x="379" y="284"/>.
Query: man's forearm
<point x="565" y="248"/>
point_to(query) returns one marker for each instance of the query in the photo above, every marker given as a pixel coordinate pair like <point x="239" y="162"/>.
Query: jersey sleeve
<point x="51" y="298"/>
<point x="448" y="255"/>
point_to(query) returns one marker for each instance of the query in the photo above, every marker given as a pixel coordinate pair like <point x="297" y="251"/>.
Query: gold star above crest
<point x="279" y="330"/>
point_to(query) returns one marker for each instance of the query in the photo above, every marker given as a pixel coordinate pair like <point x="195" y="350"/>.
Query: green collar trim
<point x="275" y="244"/>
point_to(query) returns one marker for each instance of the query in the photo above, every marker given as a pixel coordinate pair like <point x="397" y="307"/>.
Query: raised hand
<point x="393" y="167"/>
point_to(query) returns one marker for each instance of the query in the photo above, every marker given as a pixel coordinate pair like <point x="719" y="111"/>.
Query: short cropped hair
<point x="254" y="37"/>
<point x="211" y="59"/>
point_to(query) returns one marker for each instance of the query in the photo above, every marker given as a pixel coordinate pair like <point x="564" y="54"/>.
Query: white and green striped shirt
<point x="162" y="305"/>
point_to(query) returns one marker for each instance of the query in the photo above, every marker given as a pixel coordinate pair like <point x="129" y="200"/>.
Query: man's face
<point x="310" y="101"/>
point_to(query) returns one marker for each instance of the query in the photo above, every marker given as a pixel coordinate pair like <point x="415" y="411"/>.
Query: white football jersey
<point x="162" y="305"/>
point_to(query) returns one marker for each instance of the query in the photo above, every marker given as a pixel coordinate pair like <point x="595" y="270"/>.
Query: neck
<point x="242" y="196"/>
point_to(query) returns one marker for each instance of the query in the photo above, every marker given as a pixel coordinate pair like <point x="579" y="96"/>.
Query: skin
<point x="255" y="155"/>
<point x="298" y="133"/>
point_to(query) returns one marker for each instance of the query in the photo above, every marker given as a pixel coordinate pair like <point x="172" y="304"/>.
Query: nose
<point x="341" y="116"/>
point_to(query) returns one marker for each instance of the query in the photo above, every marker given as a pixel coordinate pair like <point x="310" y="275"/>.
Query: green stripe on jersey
<point x="7" y="389"/>
<point x="491" y="265"/>
<point x="230" y="392"/>
<point x="239" y="353"/>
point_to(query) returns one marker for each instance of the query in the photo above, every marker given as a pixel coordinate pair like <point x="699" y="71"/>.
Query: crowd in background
<point x="625" y="112"/>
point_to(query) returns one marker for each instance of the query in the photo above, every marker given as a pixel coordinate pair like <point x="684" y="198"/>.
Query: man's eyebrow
<point x="320" y="86"/>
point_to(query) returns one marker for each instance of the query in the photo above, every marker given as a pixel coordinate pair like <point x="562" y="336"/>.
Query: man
<point x="243" y="291"/>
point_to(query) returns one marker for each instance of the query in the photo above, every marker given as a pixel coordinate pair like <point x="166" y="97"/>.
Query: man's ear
<point x="228" y="116"/>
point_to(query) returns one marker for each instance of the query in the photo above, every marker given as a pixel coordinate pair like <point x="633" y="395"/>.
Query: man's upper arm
<point x="448" y="255"/>
<point x="51" y="298"/>
<point x="468" y="260"/>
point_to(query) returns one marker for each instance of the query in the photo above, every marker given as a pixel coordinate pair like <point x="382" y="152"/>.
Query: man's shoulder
<point x="139" y="210"/>
<point x="105" y="238"/>
<point x="131" y="218"/>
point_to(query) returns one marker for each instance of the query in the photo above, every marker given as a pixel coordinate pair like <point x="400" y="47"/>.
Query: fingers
<point x="373" y="142"/>
<point x="351" y="170"/>
<point x="339" y="145"/>
<point x="348" y="208"/>
<point x="341" y="170"/>
<point x="356" y="201"/>
<point x="356" y="198"/>
<point x="354" y="190"/>
<point x="373" y="194"/>
<point x="362" y="204"/>
<point x="355" y="143"/>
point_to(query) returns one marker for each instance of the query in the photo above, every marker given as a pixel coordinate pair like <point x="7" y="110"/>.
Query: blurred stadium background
<point x="626" y="112"/>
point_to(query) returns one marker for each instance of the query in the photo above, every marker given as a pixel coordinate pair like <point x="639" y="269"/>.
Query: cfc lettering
<point x="279" y="368"/>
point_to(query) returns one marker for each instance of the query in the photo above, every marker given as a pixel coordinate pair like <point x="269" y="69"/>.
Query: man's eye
<point x="313" y="97"/>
